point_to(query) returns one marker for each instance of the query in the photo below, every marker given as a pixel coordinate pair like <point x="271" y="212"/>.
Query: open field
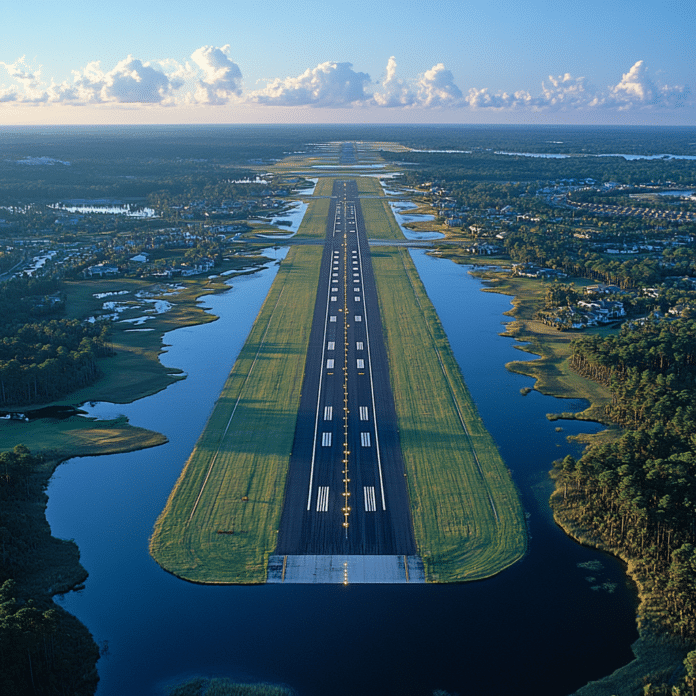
<point x="369" y="185"/>
<point x="314" y="221"/>
<point x="324" y="186"/>
<point x="467" y="517"/>
<point x="221" y="520"/>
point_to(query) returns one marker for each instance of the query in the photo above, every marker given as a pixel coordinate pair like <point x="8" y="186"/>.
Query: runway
<point x="346" y="491"/>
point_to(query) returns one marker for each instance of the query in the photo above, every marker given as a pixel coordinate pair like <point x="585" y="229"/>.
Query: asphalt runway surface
<point x="346" y="490"/>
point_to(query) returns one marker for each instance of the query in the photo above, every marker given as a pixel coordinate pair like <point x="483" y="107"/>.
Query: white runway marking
<point x="364" y="413"/>
<point x="361" y="364"/>
<point x="328" y="413"/>
<point x="330" y="364"/>
<point x="326" y="439"/>
<point x="365" y="439"/>
<point x="370" y="504"/>
<point x="323" y="499"/>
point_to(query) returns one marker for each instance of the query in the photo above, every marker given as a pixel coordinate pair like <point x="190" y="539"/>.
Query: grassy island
<point x="220" y="522"/>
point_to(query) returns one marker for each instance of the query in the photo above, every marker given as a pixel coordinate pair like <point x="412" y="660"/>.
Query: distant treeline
<point x="557" y="247"/>
<point x="488" y="166"/>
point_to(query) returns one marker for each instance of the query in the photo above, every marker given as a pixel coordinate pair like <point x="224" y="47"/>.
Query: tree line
<point x="637" y="495"/>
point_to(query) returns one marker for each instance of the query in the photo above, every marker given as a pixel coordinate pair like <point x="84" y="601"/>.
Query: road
<point x="346" y="491"/>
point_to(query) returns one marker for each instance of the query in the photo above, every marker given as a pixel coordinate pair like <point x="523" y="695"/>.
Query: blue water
<point x="537" y="628"/>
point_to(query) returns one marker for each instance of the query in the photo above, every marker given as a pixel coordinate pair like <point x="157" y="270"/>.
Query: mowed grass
<point x="467" y="517"/>
<point x="221" y="520"/>
<point x="314" y="221"/>
<point x="324" y="186"/>
<point x="370" y="186"/>
<point x="379" y="219"/>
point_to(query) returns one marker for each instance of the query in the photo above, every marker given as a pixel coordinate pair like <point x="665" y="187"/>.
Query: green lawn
<point x="220" y="522"/>
<point x="467" y="517"/>
<point x="379" y="219"/>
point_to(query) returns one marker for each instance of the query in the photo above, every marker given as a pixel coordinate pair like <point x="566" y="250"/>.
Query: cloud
<point x="637" y="89"/>
<point x="436" y="88"/>
<point x="483" y="99"/>
<point x="131" y="81"/>
<point x="394" y="92"/>
<point x="222" y="79"/>
<point x="29" y="80"/>
<point x="330" y="84"/>
<point x="20" y="71"/>
<point x="566" y="91"/>
<point x="212" y="78"/>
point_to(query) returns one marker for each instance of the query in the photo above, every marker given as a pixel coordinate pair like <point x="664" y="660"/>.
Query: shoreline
<point x="654" y="651"/>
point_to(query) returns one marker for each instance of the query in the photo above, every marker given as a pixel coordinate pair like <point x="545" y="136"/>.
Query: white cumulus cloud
<point x="436" y="88"/>
<point x="637" y="89"/>
<point x="393" y="91"/>
<point x="330" y="84"/>
<point x="483" y="99"/>
<point x="222" y="78"/>
<point x="566" y="91"/>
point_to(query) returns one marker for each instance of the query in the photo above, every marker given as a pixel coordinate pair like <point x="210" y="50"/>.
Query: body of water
<point x="403" y="217"/>
<point x="558" y="618"/>
<point x="549" y="155"/>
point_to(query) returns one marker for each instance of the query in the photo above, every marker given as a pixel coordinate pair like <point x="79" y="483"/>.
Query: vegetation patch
<point x="467" y="517"/>
<point x="221" y="519"/>
<point x="379" y="219"/>
<point x="134" y="370"/>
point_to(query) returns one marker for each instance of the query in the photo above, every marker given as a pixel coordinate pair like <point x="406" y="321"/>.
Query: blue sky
<point x="492" y="61"/>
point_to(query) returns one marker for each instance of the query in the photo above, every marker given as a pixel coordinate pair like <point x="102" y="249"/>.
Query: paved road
<point x="346" y="491"/>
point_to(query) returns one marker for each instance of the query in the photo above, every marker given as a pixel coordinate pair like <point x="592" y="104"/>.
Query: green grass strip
<point x="379" y="219"/>
<point x="221" y="519"/>
<point x="324" y="186"/>
<point x="467" y="517"/>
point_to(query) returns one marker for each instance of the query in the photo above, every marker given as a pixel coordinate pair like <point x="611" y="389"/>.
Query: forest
<point x="44" y="359"/>
<point x="43" y="648"/>
<point x="638" y="494"/>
